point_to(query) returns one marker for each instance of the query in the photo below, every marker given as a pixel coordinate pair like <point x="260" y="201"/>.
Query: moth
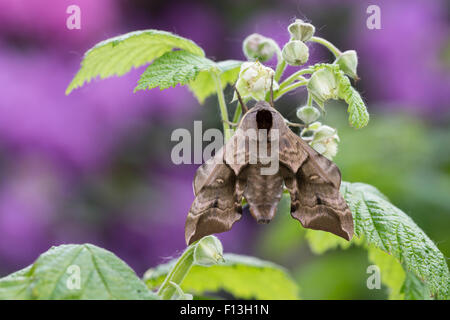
<point x="222" y="182"/>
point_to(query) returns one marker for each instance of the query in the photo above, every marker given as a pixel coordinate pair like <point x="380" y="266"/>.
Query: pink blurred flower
<point x="45" y="20"/>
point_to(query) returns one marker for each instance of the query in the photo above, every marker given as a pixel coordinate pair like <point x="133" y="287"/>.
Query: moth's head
<point x="263" y="115"/>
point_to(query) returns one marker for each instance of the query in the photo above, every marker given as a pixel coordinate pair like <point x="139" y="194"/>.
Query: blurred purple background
<point x="95" y="166"/>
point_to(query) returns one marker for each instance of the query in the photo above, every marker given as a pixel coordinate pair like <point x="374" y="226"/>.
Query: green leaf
<point x="402" y="284"/>
<point x="242" y="276"/>
<point x="172" y="68"/>
<point x="102" y="276"/>
<point x="116" y="56"/>
<point x="358" y="116"/>
<point x="392" y="273"/>
<point x="414" y="289"/>
<point x="320" y="241"/>
<point x="14" y="286"/>
<point x="203" y="86"/>
<point x="391" y="230"/>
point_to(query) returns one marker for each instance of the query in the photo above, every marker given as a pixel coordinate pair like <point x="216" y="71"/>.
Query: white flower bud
<point x="325" y="141"/>
<point x="295" y="53"/>
<point x="324" y="132"/>
<point x="348" y="62"/>
<point x="323" y="86"/>
<point x="308" y="114"/>
<point x="315" y="126"/>
<point x="208" y="251"/>
<point x="254" y="80"/>
<point x="301" y="30"/>
<point x="258" y="47"/>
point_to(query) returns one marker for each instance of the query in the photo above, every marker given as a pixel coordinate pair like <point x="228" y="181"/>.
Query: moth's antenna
<point x="271" y="93"/>
<point x="244" y="106"/>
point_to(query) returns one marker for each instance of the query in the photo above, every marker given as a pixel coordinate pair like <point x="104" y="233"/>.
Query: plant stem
<point x="177" y="273"/>
<point x="293" y="86"/>
<point x="237" y="113"/>
<point x="328" y="45"/>
<point x="296" y="76"/>
<point x="281" y="66"/>
<point x="309" y="102"/>
<point x="223" y="107"/>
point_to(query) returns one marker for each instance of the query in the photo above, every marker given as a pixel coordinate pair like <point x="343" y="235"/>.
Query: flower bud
<point x="348" y="62"/>
<point x="324" y="132"/>
<point x="258" y="47"/>
<point x="208" y="251"/>
<point x="301" y="30"/>
<point x="325" y="140"/>
<point x="315" y="126"/>
<point x="295" y="53"/>
<point x="323" y="86"/>
<point x="308" y="114"/>
<point x="254" y="80"/>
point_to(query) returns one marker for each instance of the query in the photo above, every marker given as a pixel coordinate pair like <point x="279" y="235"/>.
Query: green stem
<point x="309" y="102"/>
<point x="281" y="66"/>
<point x="292" y="78"/>
<point x="296" y="76"/>
<point x="223" y="107"/>
<point x="328" y="45"/>
<point x="177" y="273"/>
<point x="293" y="86"/>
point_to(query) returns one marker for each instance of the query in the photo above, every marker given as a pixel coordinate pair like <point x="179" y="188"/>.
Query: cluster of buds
<point x="254" y="80"/>
<point x="322" y="138"/>
<point x="295" y="52"/>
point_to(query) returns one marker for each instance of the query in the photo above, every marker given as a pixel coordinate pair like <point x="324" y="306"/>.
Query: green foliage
<point x="412" y="266"/>
<point x="358" y="115"/>
<point x="388" y="228"/>
<point x="330" y="82"/>
<point x="320" y="241"/>
<point x="401" y="284"/>
<point x="414" y="289"/>
<point x="182" y="67"/>
<point x="392" y="273"/>
<point x="102" y="276"/>
<point x="204" y="84"/>
<point x="172" y="68"/>
<point x="116" y="56"/>
<point x="242" y="276"/>
<point x="380" y="225"/>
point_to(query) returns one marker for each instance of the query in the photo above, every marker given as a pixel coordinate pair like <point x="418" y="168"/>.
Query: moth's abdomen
<point x="263" y="193"/>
